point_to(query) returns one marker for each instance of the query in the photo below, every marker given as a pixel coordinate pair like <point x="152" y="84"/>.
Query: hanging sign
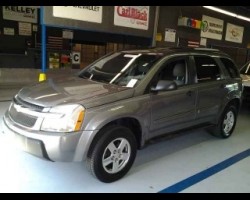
<point x="170" y="35"/>
<point x="20" y="13"/>
<point x="234" y="33"/>
<point x="132" y="16"/>
<point x="211" y="27"/>
<point x="82" y="13"/>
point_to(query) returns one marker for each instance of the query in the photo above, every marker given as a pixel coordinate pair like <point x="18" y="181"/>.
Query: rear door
<point x="211" y="85"/>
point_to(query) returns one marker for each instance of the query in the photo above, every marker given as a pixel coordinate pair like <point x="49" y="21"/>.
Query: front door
<point x="172" y="110"/>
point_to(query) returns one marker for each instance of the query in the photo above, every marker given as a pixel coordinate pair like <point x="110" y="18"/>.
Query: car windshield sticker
<point x="132" y="83"/>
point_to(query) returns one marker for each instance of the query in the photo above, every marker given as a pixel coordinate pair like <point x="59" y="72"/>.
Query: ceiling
<point x="247" y="7"/>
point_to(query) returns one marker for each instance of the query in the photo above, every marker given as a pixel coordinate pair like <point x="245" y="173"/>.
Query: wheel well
<point x="236" y="103"/>
<point x="130" y="123"/>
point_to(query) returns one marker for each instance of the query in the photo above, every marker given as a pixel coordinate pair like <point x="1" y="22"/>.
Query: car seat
<point x="179" y="73"/>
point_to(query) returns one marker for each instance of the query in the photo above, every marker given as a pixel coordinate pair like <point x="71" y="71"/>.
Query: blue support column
<point x="42" y="76"/>
<point x="44" y="53"/>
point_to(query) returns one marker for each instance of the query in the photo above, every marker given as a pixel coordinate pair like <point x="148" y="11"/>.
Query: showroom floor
<point x="191" y="162"/>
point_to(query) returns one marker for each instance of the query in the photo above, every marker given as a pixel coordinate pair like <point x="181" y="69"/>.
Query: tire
<point x="227" y="122"/>
<point x="118" y="159"/>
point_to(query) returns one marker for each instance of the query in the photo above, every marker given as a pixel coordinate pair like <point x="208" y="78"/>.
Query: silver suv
<point x="123" y="100"/>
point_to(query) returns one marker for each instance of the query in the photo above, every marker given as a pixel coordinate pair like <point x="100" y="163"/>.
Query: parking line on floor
<point x="178" y="187"/>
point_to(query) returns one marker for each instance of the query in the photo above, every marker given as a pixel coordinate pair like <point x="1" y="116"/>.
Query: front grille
<point x="17" y="100"/>
<point x="22" y="118"/>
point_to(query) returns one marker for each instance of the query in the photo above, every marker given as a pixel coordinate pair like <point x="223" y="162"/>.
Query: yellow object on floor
<point x="42" y="77"/>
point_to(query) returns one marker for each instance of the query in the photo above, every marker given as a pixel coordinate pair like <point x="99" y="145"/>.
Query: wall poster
<point x="83" y="13"/>
<point x="170" y="35"/>
<point x="24" y="29"/>
<point x="8" y="31"/>
<point x="20" y="13"/>
<point x="234" y="33"/>
<point x="211" y="27"/>
<point x="132" y="16"/>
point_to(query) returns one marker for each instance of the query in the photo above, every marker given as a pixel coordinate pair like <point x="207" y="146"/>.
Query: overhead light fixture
<point x="227" y="13"/>
<point x="220" y="11"/>
<point x="244" y="18"/>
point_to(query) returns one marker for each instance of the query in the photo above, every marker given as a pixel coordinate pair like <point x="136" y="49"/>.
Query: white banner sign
<point x="20" y="13"/>
<point x="212" y="27"/>
<point x="25" y="29"/>
<point x="8" y="31"/>
<point x="83" y="13"/>
<point x="132" y="16"/>
<point x="234" y="33"/>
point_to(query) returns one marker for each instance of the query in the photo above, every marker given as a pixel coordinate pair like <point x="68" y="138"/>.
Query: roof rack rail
<point x="206" y="49"/>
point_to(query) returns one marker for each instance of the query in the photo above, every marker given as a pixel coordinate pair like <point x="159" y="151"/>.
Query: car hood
<point x="245" y="80"/>
<point x="73" y="90"/>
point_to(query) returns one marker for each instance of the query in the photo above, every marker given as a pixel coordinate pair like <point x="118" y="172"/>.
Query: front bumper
<point x="66" y="147"/>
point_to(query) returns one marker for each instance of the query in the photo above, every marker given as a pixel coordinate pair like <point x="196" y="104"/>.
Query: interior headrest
<point x="179" y="69"/>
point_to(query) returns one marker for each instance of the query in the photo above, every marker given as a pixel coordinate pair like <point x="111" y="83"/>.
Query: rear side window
<point x="207" y="69"/>
<point x="230" y="67"/>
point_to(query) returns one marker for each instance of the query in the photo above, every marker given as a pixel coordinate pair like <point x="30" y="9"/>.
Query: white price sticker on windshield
<point x="132" y="83"/>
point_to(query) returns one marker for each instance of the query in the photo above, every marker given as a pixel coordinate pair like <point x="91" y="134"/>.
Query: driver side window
<point x="172" y="70"/>
<point x="175" y="70"/>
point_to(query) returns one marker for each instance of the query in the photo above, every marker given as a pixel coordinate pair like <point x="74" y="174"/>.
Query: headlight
<point x="67" y="118"/>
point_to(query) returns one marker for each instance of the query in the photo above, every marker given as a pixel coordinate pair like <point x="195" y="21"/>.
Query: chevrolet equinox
<point x="115" y="105"/>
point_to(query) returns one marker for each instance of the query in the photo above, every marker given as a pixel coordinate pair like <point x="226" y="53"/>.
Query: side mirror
<point x="164" y="85"/>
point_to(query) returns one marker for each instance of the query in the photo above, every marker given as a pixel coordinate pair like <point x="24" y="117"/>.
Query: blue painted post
<point x="42" y="76"/>
<point x="44" y="48"/>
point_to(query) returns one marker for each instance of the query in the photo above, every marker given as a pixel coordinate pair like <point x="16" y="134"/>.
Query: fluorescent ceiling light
<point x="244" y="18"/>
<point x="220" y="10"/>
<point x="227" y="13"/>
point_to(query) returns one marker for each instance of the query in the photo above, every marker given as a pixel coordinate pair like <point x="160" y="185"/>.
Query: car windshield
<point x="123" y="69"/>
<point x="245" y="69"/>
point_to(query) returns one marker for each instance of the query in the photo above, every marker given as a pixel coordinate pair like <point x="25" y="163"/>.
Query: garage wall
<point x="15" y="47"/>
<point x="169" y="17"/>
<point x="107" y="24"/>
<point x="14" y="52"/>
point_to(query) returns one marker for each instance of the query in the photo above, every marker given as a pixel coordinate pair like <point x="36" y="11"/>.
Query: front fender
<point x="137" y="108"/>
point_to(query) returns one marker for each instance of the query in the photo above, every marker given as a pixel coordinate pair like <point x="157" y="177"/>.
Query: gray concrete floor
<point x="8" y="94"/>
<point x="156" y="167"/>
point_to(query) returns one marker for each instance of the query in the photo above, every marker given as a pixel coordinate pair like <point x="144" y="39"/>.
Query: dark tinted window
<point x="207" y="69"/>
<point x="230" y="67"/>
<point x="120" y="68"/>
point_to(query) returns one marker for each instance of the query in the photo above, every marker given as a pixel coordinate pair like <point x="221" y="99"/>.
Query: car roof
<point x="177" y="50"/>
